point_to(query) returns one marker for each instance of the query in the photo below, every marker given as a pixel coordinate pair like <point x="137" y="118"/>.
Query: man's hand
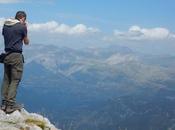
<point x="26" y="40"/>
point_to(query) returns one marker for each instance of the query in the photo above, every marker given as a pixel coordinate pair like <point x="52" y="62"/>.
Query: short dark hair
<point x="20" y="14"/>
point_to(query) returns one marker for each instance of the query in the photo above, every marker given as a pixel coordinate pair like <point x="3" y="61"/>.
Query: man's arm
<point x="26" y="40"/>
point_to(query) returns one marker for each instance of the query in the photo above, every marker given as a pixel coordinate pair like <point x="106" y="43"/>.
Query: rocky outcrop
<point x="24" y="121"/>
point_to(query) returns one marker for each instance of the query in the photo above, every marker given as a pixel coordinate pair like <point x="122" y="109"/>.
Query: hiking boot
<point x="12" y="106"/>
<point x="3" y="105"/>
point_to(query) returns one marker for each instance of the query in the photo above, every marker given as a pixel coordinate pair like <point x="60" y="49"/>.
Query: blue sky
<point x="101" y="13"/>
<point x="128" y="21"/>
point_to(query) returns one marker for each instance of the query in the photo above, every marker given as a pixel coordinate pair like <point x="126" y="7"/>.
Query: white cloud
<point x="8" y="1"/>
<point x="55" y="33"/>
<point x="54" y="27"/>
<point x="2" y="21"/>
<point x="52" y="32"/>
<point x="138" y="33"/>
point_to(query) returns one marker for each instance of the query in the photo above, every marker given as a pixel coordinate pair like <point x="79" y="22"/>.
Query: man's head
<point x="21" y="16"/>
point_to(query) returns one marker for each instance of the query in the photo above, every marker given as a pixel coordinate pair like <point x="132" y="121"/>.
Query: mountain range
<point x="92" y="88"/>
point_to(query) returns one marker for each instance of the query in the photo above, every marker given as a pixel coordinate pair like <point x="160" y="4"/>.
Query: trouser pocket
<point x="16" y="74"/>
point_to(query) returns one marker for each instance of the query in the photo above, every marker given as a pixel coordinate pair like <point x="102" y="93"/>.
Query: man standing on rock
<point x="15" y="35"/>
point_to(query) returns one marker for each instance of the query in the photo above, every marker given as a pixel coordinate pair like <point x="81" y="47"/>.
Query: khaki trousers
<point x="13" y="69"/>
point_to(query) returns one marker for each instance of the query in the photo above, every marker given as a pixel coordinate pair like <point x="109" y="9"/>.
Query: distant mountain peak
<point x="120" y="58"/>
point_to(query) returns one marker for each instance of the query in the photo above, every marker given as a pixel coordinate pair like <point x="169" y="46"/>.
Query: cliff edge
<point x="24" y="121"/>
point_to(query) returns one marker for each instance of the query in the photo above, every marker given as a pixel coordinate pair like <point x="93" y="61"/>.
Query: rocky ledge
<point x="24" y="121"/>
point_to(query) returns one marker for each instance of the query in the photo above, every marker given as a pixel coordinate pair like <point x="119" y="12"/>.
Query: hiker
<point x="15" y="35"/>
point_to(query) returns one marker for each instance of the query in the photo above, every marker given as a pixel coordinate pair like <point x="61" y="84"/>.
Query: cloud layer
<point x="2" y="21"/>
<point x="138" y="33"/>
<point x="52" y="32"/>
<point x="54" y="28"/>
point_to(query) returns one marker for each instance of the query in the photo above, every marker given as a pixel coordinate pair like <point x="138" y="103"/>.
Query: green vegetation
<point x="39" y="123"/>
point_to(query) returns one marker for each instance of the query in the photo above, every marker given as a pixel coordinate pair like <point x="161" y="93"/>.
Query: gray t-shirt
<point x="13" y="37"/>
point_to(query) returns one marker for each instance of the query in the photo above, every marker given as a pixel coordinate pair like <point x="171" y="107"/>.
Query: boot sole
<point x="9" y="112"/>
<point x="14" y="109"/>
